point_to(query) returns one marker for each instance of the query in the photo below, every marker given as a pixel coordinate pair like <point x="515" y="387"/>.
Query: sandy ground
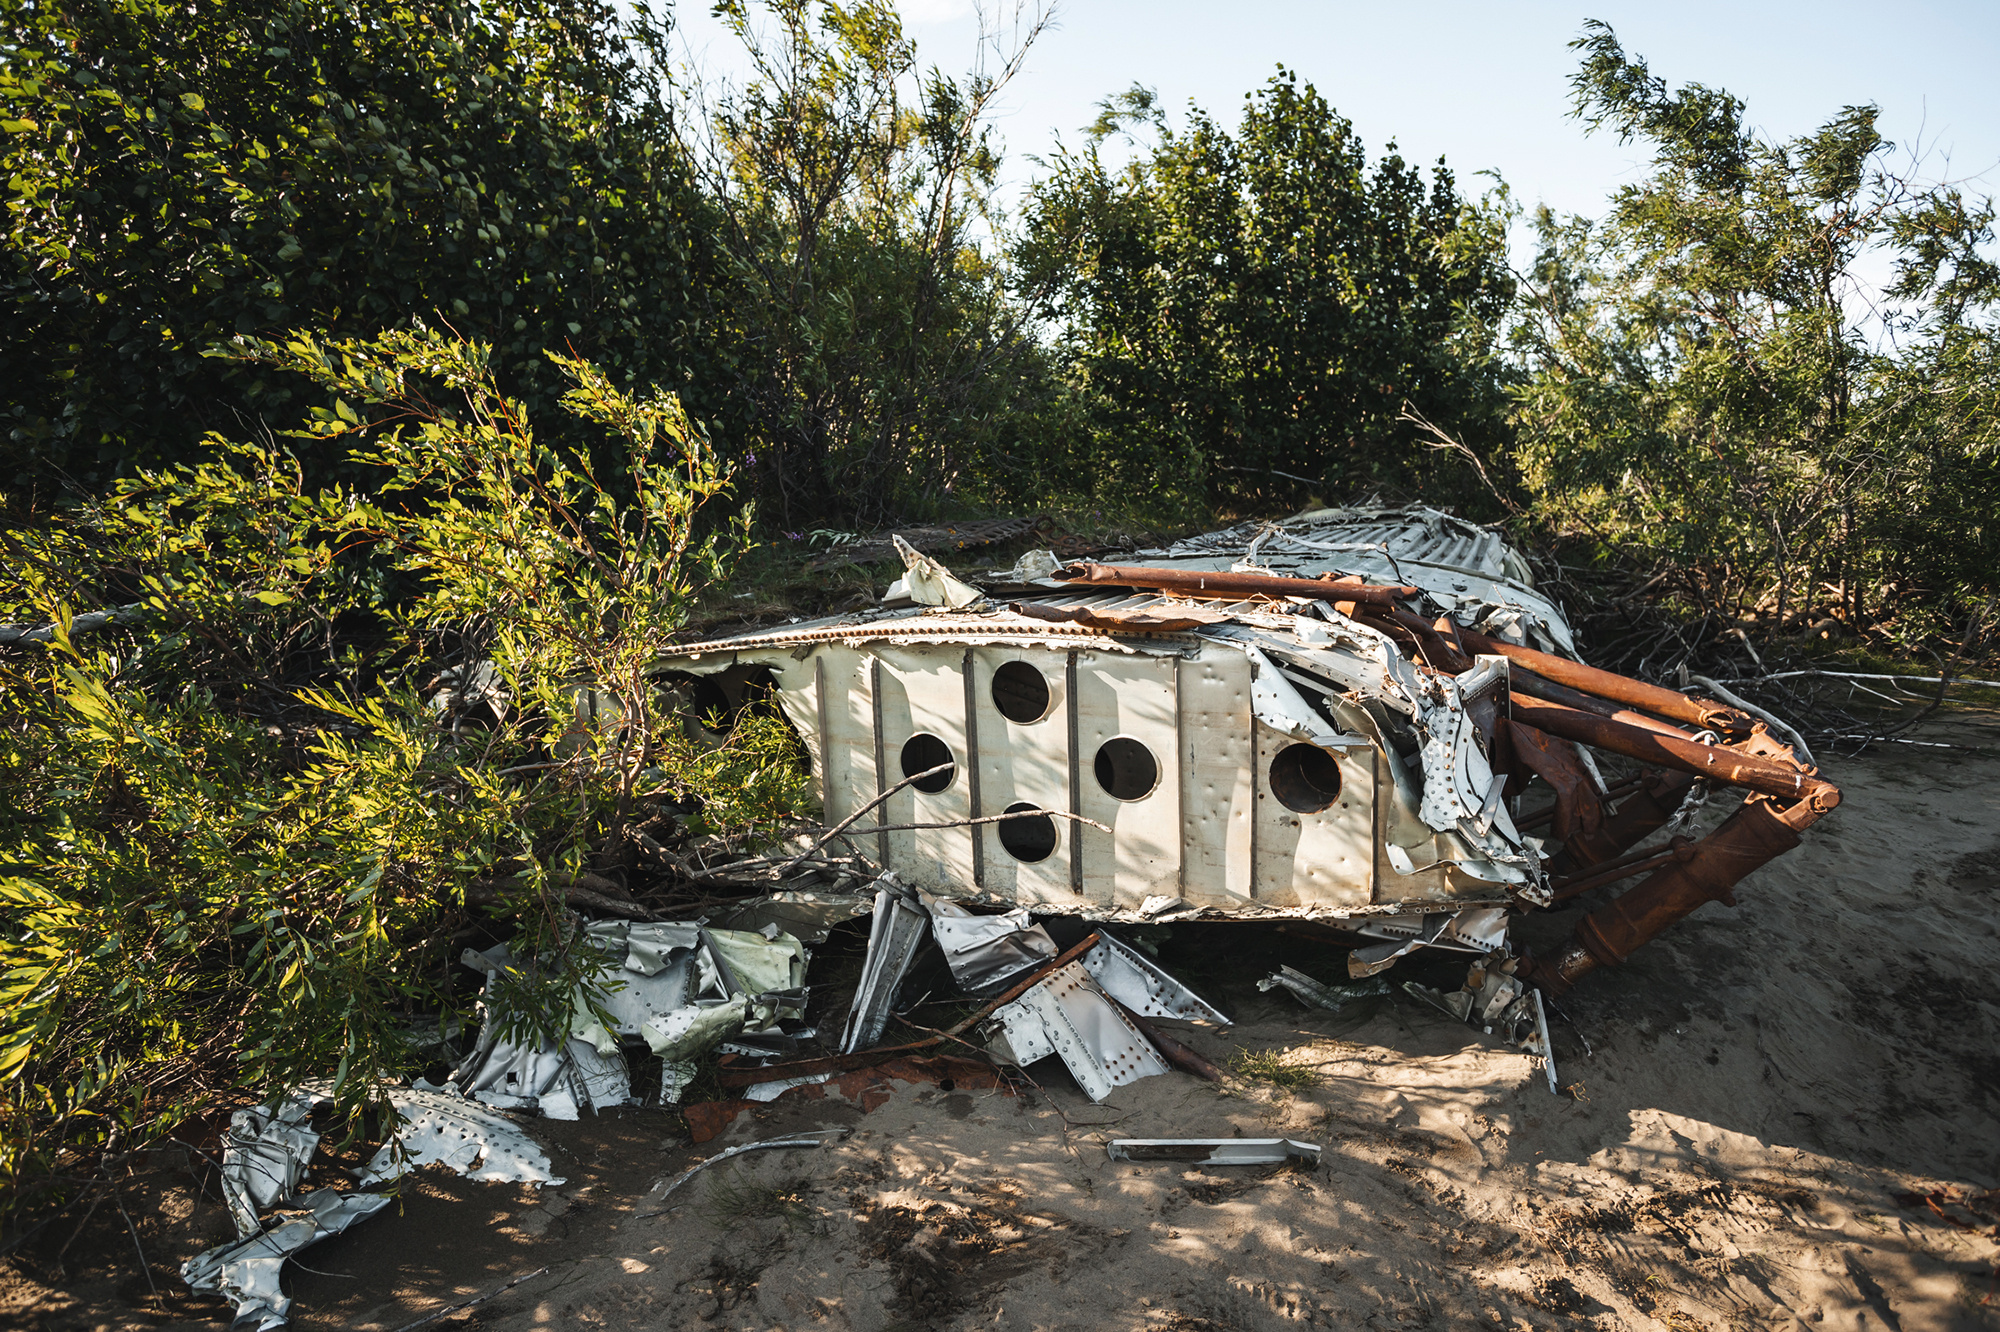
<point x="1763" y="1091"/>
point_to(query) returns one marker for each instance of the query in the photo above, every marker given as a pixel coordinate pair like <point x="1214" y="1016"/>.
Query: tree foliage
<point x="1245" y="316"/>
<point x="178" y="175"/>
<point x="1712" y="382"/>
<point x="893" y="376"/>
<point x="238" y="839"/>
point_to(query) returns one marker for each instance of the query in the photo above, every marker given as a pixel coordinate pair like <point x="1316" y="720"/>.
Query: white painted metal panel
<point x="1324" y="858"/>
<point x="1132" y="697"/>
<point x="1023" y="762"/>
<point x="1216" y="787"/>
<point x="923" y="690"/>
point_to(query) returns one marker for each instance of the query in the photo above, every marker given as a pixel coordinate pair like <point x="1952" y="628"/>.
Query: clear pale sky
<point x="1486" y="84"/>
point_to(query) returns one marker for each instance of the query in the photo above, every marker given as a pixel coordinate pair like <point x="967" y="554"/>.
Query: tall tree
<point x="179" y="175"/>
<point x="887" y="372"/>
<point x="1711" y="377"/>
<point x="1247" y="316"/>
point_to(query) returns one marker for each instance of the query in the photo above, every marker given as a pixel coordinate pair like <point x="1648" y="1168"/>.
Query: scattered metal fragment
<point x="893" y="937"/>
<point x="265" y="1152"/>
<point x="440" y="1128"/>
<point x="1317" y="994"/>
<point x="806" y="916"/>
<point x="1213" y="1151"/>
<point x="722" y="1156"/>
<point x="1138" y="982"/>
<point x="985" y="953"/>
<point x="1066" y="1014"/>
<point x="439" y="1315"/>
<point x="248" y="1270"/>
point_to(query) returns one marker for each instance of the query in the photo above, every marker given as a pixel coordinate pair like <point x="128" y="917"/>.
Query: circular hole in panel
<point x="922" y="752"/>
<point x="1020" y="692"/>
<point x="1126" y="768"/>
<point x="1305" y="778"/>
<point x="1028" y="839"/>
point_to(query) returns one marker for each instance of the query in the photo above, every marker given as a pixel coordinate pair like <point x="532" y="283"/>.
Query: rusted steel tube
<point x="1752" y="837"/>
<point x="1604" y="684"/>
<point x="1527" y="682"/>
<point x="1200" y="582"/>
<point x="1579" y="884"/>
<point x="1711" y="761"/>
<point x="1638" y="817"/>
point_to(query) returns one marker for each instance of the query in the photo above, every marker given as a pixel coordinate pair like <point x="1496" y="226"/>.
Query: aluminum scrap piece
<point x="440" y="1128"/>
<point x="264" y="1155"/>
<point x="722" y="1156"/>
<point x="1213" y="1151"/>
<point x="772" y="1090"/>
<point x="986" y="952"/>
<point x="1068" y="1015"/>
<point x="1547" y="1049"/>
<point x="1137" y="982"/>
<point x="893" y="936"/>
<point x="248" y="1271"/>
<point x="1317" y="994"/>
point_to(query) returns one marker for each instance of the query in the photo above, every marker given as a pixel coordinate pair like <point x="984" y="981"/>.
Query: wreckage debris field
<point x="1789" y="1116"/>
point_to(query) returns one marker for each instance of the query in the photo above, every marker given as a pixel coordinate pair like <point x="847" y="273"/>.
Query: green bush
<point x="238" y="841"/>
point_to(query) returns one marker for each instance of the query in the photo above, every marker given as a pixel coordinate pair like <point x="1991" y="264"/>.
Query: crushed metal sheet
<point x="1137" y="982"/>
<point x="264" y="1155"/>
<point x="1318" y="995"/>
<point x="265" y="1152"/>
<point x="893" y="937"/>
<point x="928" y="583"/>
<point x="806" y="916"/>
<point x="986" y="952"/>
<point x="1498" y="1002"/>
<point x="440" y="1128"/>
<point x="1066" y="1014"/>
<point x="1213" y="1151"/>
<point x="248" y="1271"/>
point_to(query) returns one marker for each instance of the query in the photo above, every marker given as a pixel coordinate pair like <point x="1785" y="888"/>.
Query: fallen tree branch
<point x="451" y="1309"/>
<point x="847" y="822"/>
<point x="990" y="818"/>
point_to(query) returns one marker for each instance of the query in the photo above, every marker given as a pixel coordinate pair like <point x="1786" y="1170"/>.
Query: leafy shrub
<point x="238" y="844"/>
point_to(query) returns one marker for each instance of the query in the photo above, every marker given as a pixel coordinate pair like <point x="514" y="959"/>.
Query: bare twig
<point x="1433" y="437"/>
<point x="990" y="818"/>
<point x="451" y="1309"/>
<point x="145" y="1268"/>
<point x="845" y="823"/>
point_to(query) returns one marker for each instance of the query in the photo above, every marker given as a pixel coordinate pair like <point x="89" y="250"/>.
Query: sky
<point x="1486" y="85"/>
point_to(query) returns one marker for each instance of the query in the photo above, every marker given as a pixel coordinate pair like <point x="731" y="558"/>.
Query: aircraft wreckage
<point x="1331" y="719"/>
<point x="1334" y="717"/>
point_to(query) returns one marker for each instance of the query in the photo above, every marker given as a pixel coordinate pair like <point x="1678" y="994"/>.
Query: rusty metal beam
<point x="1196" y="582"/>
<point x="1616" y="688"/>
<point x="1752" y="837"/>
<point x="1763" y="776"/>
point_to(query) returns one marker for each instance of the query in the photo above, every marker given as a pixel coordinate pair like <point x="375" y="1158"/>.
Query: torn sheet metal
<point x="928" y="583"/>
<point x="893" y="937"/>
<point x="806" y="916"/>
<point x="1068" y="1015"/>
<point x="1479" y="930"/>
<point x="249" y="1270"/>
<point x="440" y="1128"/>
<point x="986" y="952"/>
<point x="1213" y="1151"/>
<point x="1137" y="982"/>
<point x="265" y="1153"/>
<point x="1317" y="994"/>
<point x="1496" y="1000"/>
